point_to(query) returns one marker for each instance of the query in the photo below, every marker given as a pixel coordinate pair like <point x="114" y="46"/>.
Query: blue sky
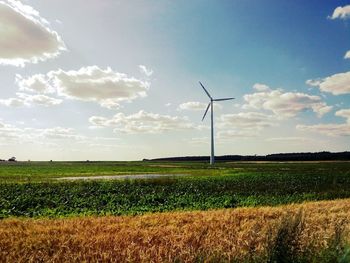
<point x="118" y="80"/>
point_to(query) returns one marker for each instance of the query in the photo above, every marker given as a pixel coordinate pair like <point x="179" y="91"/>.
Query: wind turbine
<point x="211" y="105"/>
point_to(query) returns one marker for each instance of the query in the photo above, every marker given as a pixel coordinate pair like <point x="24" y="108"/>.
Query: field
<point x="164" y="219"/>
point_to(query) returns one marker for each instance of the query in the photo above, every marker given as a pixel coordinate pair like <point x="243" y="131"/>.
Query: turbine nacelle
<point x="211" y="99"/>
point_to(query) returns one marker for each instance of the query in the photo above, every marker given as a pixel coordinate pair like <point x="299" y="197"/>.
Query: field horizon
<point x="286" y="156"/>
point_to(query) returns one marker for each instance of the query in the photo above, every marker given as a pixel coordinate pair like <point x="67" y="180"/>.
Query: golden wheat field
<point x="166" y="237"/>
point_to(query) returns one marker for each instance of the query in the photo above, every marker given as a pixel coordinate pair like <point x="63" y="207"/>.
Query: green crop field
<point x="31" y="189"/>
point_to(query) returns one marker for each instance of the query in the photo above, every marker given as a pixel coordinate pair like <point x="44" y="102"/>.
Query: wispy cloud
<point x="57" y="133"/>
<point x="146" y="71"/>
<point x="261" y="87"/>
<point x="25" y="36"/>
<point x="232" y="134"/>
<point x="244" y="124"/>
<point x="17" y="135"/>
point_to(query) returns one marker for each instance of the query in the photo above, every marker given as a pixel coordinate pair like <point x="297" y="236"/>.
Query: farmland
<point x="221" y="212"/>
<point x="37" y="192"/>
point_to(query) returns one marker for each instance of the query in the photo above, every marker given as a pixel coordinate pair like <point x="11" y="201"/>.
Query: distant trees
<point x="12" y="159"/>
<point x="318" y="156"/>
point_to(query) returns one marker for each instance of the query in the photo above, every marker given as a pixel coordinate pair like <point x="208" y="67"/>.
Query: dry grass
<point x="230" y="234"/>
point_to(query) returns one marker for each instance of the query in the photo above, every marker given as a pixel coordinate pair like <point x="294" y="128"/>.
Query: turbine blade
<point x="223" y="99"/>
<point x="205" y="91"/>
<point x="206" y="111"/>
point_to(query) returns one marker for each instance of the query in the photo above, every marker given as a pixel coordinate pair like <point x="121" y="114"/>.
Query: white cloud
<point x="36" y="83"/>
<point x="341" y="12"/>
<point x="28" y="100"/>
<point x="285" y="104"/>
<point x="25" y="36"/>
<point x="347" y="55"/>
<point x="13" y="102"/>
<point x="143" y="122"/>
<point x="336" y="84"/>
<point x="144" y="70"/>
<point x="330" y="129"/>
<point x="345" y="113"/>
<point x="261" y="87"/>
<point x="196" y="106"/>
<point x="104" y="86"/>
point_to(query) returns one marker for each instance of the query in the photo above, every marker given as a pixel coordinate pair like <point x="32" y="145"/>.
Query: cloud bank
<point x="247" y="120"/>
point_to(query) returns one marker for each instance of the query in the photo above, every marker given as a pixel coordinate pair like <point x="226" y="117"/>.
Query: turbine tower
<point x="211" y="105"/>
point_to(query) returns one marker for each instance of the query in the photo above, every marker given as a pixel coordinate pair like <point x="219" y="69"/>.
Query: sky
<point x="118" y="80"/>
